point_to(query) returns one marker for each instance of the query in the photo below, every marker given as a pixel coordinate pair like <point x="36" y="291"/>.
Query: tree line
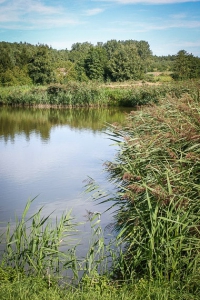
<point x="24" y="63"/>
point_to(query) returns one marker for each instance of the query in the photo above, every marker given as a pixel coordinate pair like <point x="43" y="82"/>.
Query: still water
<point x="48" y="154"/>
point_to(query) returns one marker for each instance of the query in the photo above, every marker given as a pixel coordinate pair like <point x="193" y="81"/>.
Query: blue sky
<point x="168" y="25"/>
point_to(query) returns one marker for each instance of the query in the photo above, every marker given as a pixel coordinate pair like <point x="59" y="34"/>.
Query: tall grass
<point x="40" y="246"/>
<point x="35" y="244"/>
<point x="70" y="95"/>
<point x="76" y="94"/>
<point x="157" y="174"/>
<point x="34" y="264"/>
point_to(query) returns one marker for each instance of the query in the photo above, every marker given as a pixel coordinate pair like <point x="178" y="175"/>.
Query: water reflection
<point x="49" y="153"/>
<point x="28" y="120"/>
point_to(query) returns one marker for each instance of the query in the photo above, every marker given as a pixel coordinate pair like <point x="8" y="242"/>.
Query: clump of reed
<point x="34" y="265"/>
<point x="157" y="176"/>
<point x="34" y="244"/>
<point x="77" y="94"/>
<point x="74" y="94"/>
<point x="40" y="246"/>
<point x="137" y="95"/>
<point x="23" y="96"/>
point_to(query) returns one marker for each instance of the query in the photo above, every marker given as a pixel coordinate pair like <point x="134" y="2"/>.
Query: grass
<point x="37" y="288"/>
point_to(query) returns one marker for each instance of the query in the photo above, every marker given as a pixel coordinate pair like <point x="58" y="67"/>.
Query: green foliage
<point x="38" y="289"/>
<point x="78" y="55"/>
<point x="125" y="64"/>
<point x="186" y="66"/>
<point x="95" y="63"/>
<point x="16" y="76"/>
<point x="65" y="71"/>
<point x="76" y="94"/>
<point x="40" y="67"/>
<point x="15" y="284"/>
<point x="161" y="63"/>
<point x="110" y="61"/>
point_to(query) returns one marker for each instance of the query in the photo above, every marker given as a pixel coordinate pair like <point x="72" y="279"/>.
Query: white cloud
<point x="170" y="23"/>
<point x="94" y="11"/>
<point x="29" y="14"/>
<point x="22" y="7"/>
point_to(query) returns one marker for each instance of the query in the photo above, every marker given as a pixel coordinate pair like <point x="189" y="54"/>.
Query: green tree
<point x="79" y="50"/>
<point x="95" y="63"/>
<point x="6" y="59"/>
<point x="78" y="55"/>
<point x="125" y="63"/>
<point x="40" y="67"/>
<point x="182" y="65"/>
<point x="16" y="76"/>
<point x="145" y="55"/>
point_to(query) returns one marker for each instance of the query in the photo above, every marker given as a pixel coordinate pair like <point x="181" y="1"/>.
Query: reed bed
<point x="76" y="94"/>
<point x="33" y="263"/>
<point x="157" y="175"/>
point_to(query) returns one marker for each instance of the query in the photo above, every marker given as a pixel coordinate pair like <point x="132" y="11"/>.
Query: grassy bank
<point x="76" y="94"/>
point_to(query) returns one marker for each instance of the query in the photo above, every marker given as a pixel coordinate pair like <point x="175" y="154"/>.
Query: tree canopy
<point x="23" y="63"/>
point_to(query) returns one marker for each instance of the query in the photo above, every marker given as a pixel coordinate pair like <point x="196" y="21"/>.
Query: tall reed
<point x="35" y="244"/>
<point x="77" y="94"/>
<point x="157" y="174"/>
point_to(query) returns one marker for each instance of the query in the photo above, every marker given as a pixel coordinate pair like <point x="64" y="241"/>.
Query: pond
<point x="48" y="154"/>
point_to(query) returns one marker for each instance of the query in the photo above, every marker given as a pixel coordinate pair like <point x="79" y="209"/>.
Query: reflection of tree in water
<point x="23" y="121"/>
<point x="40" y="121"/>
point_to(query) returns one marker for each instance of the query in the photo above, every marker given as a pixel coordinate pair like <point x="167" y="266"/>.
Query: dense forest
<point x="25" y="64"/>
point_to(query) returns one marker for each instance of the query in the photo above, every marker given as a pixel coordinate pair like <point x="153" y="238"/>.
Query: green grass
<point x="18" y="286"/>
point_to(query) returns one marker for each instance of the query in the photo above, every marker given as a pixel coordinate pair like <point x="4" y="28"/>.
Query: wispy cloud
<point x="137" y="26"/>
<point x="30" y="14"/>
<point x="181" y="24"/>
<point x="178" y="16"/>
<point x="94" y="11"/>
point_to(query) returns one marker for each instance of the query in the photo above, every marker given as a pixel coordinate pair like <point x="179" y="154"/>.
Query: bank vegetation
<point x="155" y="249"/>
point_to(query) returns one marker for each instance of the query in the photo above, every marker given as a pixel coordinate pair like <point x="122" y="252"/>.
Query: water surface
<point x="49" y="153"/>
